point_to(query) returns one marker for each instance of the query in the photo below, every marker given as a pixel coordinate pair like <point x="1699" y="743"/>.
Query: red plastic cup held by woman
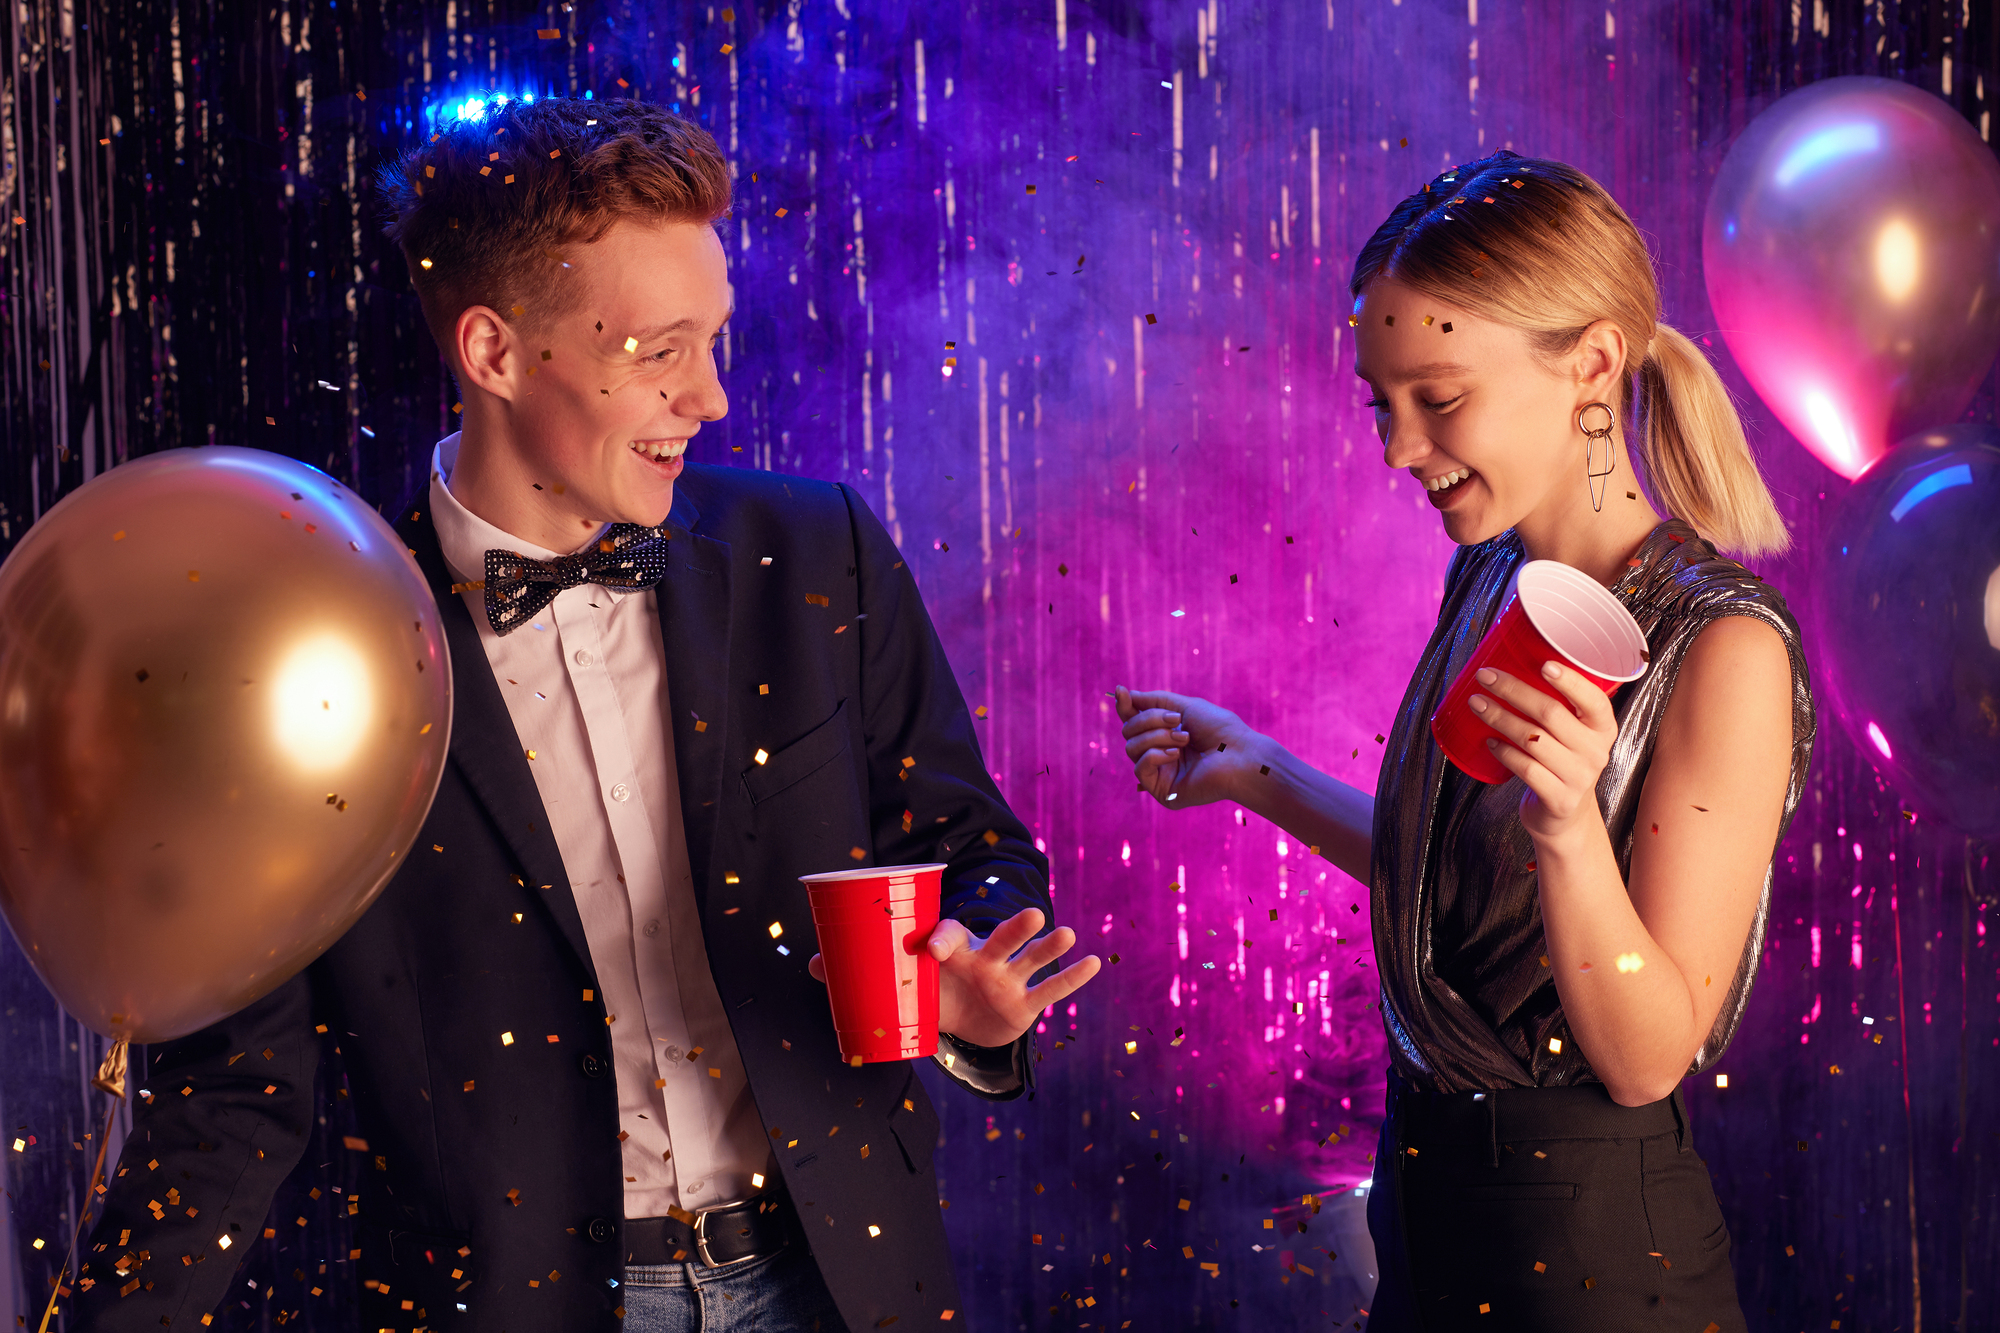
<point x="1556" y="612"/>
<point x="874" y="928"/>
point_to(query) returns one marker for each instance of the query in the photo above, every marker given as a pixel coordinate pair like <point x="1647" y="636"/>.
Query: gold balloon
<point x="225" y="700"/>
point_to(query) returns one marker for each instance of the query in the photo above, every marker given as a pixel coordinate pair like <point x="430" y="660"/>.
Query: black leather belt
<point x="731" y="1233"/>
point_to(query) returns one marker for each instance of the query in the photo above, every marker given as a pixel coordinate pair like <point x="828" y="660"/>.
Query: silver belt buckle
<point x="701" y="1235"/>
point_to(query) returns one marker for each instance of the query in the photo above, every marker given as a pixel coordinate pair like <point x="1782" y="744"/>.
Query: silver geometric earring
<point x="1591" y="436"/>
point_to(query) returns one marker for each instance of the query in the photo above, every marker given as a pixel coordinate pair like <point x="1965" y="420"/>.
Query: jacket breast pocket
<point x="800" y="760"/>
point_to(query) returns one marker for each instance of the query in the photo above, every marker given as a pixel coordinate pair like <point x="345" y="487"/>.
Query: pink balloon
<point x="1852" y="256"/>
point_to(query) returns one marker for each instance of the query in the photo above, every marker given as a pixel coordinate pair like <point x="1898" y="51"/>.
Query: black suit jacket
<point x="496" y="1159"/>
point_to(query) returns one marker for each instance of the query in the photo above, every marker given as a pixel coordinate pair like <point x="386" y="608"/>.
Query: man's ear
<point x="485" y="348"/>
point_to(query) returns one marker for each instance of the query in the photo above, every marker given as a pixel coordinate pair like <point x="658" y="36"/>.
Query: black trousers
<point x="1545" y="1210"/>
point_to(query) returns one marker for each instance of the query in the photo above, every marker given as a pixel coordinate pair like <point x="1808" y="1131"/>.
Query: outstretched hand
<point x="1184" y="750"/>
<point x="983" y="992"/>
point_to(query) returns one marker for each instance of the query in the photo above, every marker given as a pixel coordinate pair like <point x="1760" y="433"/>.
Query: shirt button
<point x="584" y="657"/>
<point x="652" y="929"/>
<point x="672" y="1053"/>
<point x="621" y="792"/>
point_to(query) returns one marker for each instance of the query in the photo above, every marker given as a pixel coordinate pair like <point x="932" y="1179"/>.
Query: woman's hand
<point x="1183" y="747"/>
<point x="1558" y="749"/>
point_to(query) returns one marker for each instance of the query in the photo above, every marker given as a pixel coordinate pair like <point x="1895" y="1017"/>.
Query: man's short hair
<point x="486" y="211"/>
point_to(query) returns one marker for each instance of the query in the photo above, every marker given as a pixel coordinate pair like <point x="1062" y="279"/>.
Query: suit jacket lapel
<point x="484" y="745"/>
<point x="694" y="626"/>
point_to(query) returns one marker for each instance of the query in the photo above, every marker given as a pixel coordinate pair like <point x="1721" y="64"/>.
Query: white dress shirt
<point x="585" y="683"/>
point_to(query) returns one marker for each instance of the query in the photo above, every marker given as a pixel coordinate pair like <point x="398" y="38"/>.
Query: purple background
<point x="1081" y="475"/>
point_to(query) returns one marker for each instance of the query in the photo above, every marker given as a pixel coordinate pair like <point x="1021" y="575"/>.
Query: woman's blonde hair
<point x="1540" y="246"/>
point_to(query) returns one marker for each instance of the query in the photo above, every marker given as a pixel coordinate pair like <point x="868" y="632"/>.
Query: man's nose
<point x="702" y="397"/>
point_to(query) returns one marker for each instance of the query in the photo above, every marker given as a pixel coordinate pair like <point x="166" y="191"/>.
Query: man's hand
<point x="983" y="992"/>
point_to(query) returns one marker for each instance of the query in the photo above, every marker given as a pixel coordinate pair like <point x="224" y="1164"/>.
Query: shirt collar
<point x="464" y="536"/>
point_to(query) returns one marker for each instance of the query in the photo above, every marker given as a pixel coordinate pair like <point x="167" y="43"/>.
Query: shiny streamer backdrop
<point x="1124" y="227"/>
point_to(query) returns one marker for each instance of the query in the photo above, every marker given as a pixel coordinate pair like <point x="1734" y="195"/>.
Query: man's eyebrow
<point x="1427" y="371"/>
<point x="688" y="325"/>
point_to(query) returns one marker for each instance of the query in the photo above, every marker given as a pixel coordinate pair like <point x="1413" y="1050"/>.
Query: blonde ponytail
<point x="1539" y="246"/>
<point x="1698" y="463"/>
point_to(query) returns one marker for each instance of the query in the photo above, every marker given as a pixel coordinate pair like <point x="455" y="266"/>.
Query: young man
<point x="596" y="1074"/>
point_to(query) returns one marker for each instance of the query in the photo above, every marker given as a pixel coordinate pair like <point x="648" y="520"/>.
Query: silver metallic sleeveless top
<point x="1456" y="914"/>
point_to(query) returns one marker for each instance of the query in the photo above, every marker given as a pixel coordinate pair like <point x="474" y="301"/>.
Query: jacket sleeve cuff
<point x="997" y="1073"/>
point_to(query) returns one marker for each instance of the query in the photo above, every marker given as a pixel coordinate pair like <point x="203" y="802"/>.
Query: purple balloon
<point x="1852" y="255"/>
<point x="1909" y="622"/>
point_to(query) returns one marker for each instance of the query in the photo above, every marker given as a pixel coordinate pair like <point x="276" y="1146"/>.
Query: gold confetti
<point x="1555" y="1045"/>
<point x="1630" y="962"/>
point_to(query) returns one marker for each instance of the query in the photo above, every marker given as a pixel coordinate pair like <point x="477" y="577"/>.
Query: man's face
<point x="602" y="410"/>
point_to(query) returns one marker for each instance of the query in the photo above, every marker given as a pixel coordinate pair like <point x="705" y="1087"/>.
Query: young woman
<point x="1558" y="951"/>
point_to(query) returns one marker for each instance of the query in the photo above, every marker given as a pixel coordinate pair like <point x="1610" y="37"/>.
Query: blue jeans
<point x="779" y="1294"/>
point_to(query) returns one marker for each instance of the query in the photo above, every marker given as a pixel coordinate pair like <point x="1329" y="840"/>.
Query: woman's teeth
<point x="1448" y="479"/>
<point x="660" y="448"/>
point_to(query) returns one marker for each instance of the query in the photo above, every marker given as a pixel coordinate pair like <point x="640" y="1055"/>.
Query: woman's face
<point x="1456" y="396"/>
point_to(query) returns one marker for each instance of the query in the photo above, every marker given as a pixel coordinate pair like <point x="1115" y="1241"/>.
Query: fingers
<point x="817" y="968"/>
<point x="949" y="937"/>
<point x="1014" y="932"/>
<point x="1155" y="771"/>
<point x="1532" y="709"/>
<point x="1592" y="704"/>
<point x="1167" y="699"/>
<point x="1064" y="983"/>
<point x="1542" y="781"/>
<point x="1040" y="953"/>
<point x="1152" y="720"/>
<point x="1157" y="739"/>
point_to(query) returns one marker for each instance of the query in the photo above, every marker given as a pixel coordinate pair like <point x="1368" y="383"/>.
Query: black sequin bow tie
<point x="628" y="556"/>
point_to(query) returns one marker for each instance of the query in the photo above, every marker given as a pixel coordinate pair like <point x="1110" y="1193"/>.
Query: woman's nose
<point x="1402" y="445"/>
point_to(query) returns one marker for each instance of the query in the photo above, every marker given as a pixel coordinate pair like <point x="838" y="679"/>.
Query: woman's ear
<point x="1599" y="359"/>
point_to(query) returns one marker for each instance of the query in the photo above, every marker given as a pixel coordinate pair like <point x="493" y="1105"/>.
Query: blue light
<point x="1941" y="480"/>
<point x="1826" y="147"/>
<point x="1729" y="230"/>
<point x="472" y="109"/>
<point x="283" y="474"/>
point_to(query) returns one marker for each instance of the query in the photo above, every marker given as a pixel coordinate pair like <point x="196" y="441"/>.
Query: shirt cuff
<point x="997" y="1073"/>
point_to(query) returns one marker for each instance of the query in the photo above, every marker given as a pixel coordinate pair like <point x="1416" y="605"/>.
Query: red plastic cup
<point x="1552" y="611"/>
<point x="880" y="978"/>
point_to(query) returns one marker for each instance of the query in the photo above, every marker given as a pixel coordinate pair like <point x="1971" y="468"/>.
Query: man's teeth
<point x="1448" y="479"/>
<point x="660" y="448"/>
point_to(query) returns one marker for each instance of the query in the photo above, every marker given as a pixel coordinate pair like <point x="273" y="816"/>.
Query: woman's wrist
<point x="1250" y="784"/>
